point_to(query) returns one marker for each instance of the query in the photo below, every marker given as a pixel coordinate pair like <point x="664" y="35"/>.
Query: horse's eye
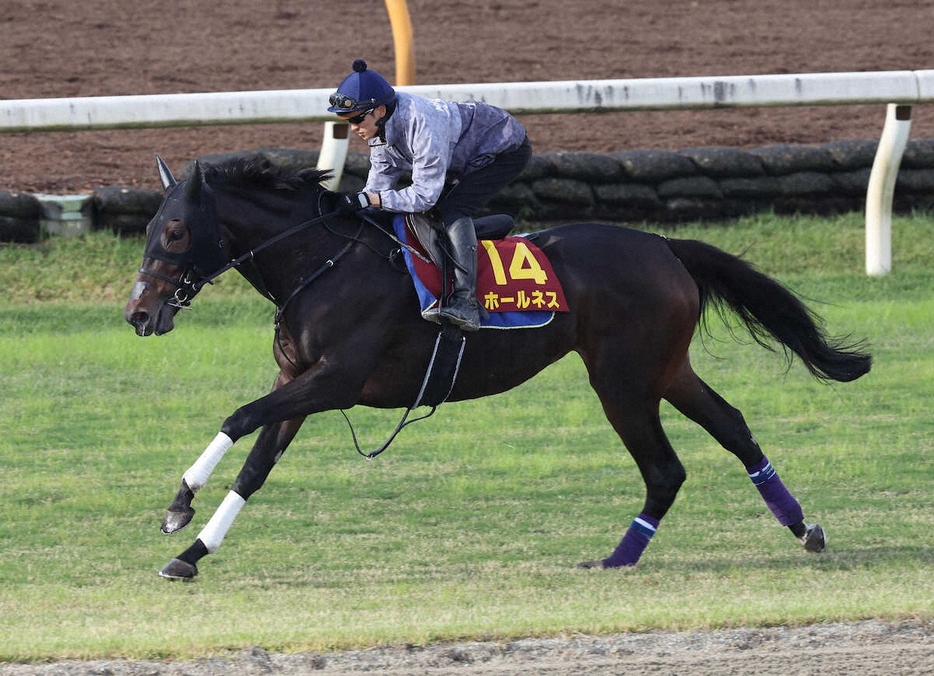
<point x="176" y="235"/>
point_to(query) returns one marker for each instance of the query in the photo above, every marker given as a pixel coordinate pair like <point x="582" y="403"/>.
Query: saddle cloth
<point x="516" y="283"/>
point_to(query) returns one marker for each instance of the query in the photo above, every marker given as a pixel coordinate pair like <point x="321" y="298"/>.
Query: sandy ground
<point x="56" y="48"/>
<point x="867" y="648"/>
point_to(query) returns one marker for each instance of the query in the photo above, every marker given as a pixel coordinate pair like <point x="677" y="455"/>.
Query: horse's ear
<point x="195" y="179"/>
<point x="165" y="174"/>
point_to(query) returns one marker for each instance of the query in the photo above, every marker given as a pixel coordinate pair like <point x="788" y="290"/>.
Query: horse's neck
<point x="256" y="230"/>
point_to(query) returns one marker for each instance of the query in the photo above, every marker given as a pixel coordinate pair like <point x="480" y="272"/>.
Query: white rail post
<point x="881" y="190"/>
<point x="334" y="152"/>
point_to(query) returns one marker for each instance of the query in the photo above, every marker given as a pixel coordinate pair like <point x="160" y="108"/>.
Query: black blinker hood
<point x="192" y="202"/>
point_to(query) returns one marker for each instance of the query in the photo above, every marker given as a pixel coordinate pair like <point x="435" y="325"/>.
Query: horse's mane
<point x="256" y="171"/>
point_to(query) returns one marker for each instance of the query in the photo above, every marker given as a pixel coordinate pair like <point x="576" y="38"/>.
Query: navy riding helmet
<point x="361" y="90"/>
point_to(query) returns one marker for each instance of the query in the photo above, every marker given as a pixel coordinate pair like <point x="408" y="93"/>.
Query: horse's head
<point x="183" y="247"/>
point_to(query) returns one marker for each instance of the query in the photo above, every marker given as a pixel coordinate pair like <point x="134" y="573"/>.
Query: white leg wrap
<point x="197" y="475"/>
<point x="212" y="535"/>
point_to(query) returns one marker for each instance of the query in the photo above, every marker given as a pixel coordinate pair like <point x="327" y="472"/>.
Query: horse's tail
<point x="769" y="310"/>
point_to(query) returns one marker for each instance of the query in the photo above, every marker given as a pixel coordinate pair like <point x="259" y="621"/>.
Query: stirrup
<point x="433" y="314"/>
<point x="467" y="318"/>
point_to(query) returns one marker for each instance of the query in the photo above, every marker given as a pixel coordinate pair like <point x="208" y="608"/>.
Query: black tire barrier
<point x="633" y="186"/>
<point x="124" y="210"/>
<point x="20" y="216"/>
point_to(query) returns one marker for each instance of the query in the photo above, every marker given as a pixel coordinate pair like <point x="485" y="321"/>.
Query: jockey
<point x="474" y="146"/>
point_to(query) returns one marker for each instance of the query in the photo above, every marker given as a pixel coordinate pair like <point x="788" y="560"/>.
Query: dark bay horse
<point x="349" y="332"/>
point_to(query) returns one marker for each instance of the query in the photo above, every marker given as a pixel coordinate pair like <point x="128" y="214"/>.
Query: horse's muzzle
<point x="148" y="312"/>
<point x="140" y="322"/>
<point x="147" y="324"/>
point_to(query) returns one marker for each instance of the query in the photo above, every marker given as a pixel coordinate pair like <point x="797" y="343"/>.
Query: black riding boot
<point x="463" y="309"/>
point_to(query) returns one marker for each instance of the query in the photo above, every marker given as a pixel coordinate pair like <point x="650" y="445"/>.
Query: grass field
<point x="472" y="522"/>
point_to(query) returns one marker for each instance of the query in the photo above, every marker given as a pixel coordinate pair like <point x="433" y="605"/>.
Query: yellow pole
<point x="402" y="41"/>
<point x="334" y="145"/>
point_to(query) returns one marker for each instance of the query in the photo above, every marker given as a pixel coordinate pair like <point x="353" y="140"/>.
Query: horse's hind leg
<point x="696" y="400"/>
<point x="635" y="418"/>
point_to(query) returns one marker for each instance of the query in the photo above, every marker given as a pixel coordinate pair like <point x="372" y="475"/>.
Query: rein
<point x="249" y="255"/>
<point x="187" y="287"/>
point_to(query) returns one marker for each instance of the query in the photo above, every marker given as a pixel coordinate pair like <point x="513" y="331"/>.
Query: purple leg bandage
<point x="777" y="498"/>
<point x="629" y="550"/>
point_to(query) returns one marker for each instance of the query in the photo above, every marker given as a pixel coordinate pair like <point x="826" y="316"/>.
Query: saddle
<point x="517" y="286"/>
<point x="429" y="229"/>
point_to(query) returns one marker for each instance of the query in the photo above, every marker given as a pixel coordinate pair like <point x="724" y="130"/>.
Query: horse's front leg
<point x="180" y="512"/>
<point x="269" y="447"/>
<point x="335" y="380"/>
<point x="315" y="390"/>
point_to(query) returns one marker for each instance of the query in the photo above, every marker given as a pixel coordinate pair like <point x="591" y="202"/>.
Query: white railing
<point x="897" y="89"/>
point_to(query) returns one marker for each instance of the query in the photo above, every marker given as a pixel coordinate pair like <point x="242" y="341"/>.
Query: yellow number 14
<point x="522" y="266"/>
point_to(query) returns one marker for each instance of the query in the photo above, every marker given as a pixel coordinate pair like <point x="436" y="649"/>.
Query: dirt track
<point x="865" y="648"/>
<point x="55" y="48"/>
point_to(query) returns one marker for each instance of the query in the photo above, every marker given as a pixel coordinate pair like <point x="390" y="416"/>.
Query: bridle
<point x="191" y="281"/>
<point x="195" y="275"/>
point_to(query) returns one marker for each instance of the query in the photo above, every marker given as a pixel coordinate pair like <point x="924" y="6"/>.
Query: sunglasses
<point x="357" y="119"/>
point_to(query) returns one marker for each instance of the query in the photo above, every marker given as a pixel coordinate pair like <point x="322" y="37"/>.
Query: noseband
<point x="185" y="286"/>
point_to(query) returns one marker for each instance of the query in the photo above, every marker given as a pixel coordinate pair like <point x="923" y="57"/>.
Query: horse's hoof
<point x="176" y="569"/>
<point x="814" y="539"/>
<point x="175" y="521"/>
<point x="598" y="563"/>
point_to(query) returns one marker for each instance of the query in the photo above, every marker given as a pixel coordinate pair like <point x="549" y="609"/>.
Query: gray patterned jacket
<point x="436" y="140"/>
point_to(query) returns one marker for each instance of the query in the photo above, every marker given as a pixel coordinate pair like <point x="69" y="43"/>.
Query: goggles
<point x="342" y="101"/>
<point x="348" y="104"/>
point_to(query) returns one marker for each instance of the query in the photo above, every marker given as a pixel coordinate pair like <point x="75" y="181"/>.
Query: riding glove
<point x="351" y="202"/>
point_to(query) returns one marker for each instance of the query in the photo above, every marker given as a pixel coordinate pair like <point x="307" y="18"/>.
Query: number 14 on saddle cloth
<point x="516" y="283"/>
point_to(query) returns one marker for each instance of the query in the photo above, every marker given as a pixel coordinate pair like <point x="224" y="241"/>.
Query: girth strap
<point x="436" y="387"/>
<point x="443" y="367"/>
